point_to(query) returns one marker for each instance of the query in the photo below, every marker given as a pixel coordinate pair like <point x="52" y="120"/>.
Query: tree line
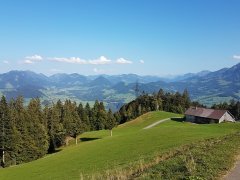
<point x="171" y="102"/>
<point x="162" y="101"/>
<point x="233" y="107"/>
<point x="28" y="133"/>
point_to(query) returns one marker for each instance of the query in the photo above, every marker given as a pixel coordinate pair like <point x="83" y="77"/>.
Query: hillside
<point x="206" y="87"/>
<point x="130" y="143"/>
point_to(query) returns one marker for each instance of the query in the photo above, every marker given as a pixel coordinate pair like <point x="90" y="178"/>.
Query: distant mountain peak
<point x="100" y="81"/>
<point x="236" y="66"/>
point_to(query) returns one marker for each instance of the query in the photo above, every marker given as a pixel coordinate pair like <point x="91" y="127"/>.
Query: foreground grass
<point x="129" y="145"/>
<point x="209" y="159"/>
<point x="206" y="159"/>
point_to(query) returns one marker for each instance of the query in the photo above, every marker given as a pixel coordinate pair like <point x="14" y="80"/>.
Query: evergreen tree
<point x="99" y="115"/>
<point x="123" y="114"/>
<point x="39" y="140"/>
<point x="117" y="117"/>
<point x="56" y="131"/>
<point x="237" y="106"/>
<point x="59" y="108"/>
<point x="17" y="117"/>
<point x="71" y="120"/>
<point x="94" y="116"/>
<point x="110" y="121"/>
<point x="89" y="114"/>
<point x="84" y="117"/>
<point x="6" y="134"/>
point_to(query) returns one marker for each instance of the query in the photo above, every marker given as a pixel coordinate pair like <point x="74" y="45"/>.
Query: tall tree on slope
<point x="5" y="134"/>
<point x="110" y="121"/>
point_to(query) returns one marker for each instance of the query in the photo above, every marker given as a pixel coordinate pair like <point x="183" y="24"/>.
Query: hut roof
<point x="205" y="113"/>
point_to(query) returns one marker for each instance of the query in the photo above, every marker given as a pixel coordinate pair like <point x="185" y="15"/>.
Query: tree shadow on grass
<point x="54" y="151"/>
<point x="88" y="139"/>
<point x="178" y="119"/>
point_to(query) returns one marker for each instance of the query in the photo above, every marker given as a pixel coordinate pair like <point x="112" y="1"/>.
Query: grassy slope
<point x="208" y="159"/>
<point x="128" y="144"/>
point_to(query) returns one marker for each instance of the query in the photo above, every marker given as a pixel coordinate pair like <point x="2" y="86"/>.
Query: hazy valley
<point x="115" y="90"/>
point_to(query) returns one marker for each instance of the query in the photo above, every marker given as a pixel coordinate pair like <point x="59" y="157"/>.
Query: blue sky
<point x="146" y="37"/>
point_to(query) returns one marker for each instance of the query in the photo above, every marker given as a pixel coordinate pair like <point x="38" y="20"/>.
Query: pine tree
<point x="17" y="139"/>
<point x="37" y="132"/>
<point x="237" y="110"/>
<point x="110" y="121"/>
<point x="22" y="141"/>
<point x="89" y="114"/>
<point x="84" y="117"/>
<point x="55" y="128"/>
<point x="71" y="120"/>
<point x="94" y="119"/>
<point x="101" y="116"/>
<point x="6" y="133"/>
<point x="117" y="117"/>
<point x="123" y="114"/>
<point x="59" y="107"/>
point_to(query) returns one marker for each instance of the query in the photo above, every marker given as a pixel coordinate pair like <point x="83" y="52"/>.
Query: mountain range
<point x="115" y="90"/>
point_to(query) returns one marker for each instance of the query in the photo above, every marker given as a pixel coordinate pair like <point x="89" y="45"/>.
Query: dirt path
<point x="156" y="123"/>
<point x="234" y="174"/>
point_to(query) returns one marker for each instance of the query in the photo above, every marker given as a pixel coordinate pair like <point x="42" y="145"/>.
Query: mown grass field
<point x="130" y="143"/>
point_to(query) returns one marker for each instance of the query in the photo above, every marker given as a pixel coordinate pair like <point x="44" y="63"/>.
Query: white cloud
<point x="6" y="62"/>
<point x="32" y="59"/>
<point x="236" y="57"/>
<point x="123" y="61"/>
<point x="27" y="61"/>
<point x="142" y="61"/>
<point x="75" y="60"/>
<point x="100" y="60"/>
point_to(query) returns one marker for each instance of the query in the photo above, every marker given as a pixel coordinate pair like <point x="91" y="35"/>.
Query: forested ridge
<point x="30" y="132"/>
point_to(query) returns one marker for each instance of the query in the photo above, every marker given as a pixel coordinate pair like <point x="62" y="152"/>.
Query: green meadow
<point x="98" y="153"/>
